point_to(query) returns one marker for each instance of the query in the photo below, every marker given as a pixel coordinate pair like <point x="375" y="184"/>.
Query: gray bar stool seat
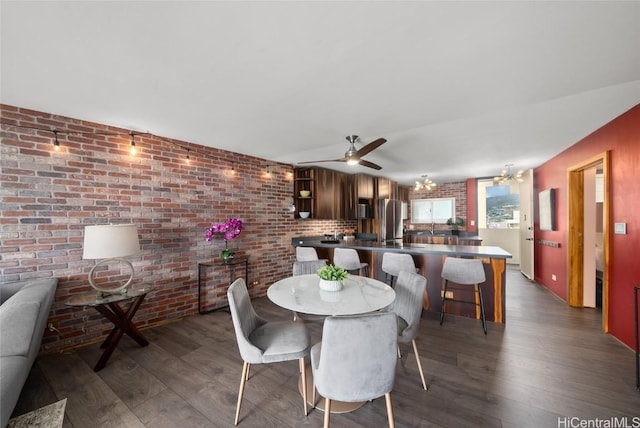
<point x="349" y="260"/>
<point x="394" y="263"/>
<point x="306" y="254"/>
<point x="465" y="272"/>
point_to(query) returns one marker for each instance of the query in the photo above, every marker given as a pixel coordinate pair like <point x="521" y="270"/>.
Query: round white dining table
<point x="359" y="295"/>
<point x="302" y="294"/>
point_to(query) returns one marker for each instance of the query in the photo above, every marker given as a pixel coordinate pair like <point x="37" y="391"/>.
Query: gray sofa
<point x="24" y="310"/>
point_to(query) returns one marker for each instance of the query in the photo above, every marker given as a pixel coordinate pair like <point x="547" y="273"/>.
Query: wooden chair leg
<point x="243" y="380"/>
<point x="313" y="396"/>
<point x="415" y="351"/>
<point x="387" y="399"/>
<point x="303" y="370"/>
<point x="327" y="412"/>
<point x="248" y="369"/>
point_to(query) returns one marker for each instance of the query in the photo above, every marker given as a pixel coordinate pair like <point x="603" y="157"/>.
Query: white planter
<point x="327" y="285"/>
<point x="330" y="296"/>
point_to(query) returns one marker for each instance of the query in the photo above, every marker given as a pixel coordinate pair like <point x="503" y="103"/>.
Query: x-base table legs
<point x="122" y="322"/>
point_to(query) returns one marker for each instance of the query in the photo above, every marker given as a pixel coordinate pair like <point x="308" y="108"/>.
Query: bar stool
<point x="464" y="272"/>
<point x="394" y="263"/>
<point x="349" y="260"/>
<point x="306" y="254"/>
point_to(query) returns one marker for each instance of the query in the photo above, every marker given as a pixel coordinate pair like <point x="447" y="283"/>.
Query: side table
<point x="109" y="307"/>
<point x="231" y="265"/>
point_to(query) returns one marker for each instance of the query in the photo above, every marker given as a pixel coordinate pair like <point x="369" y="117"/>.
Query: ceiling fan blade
<point x="369" y="164"/>
<point x="320" y="161"/>
<point x="370" y="147"/>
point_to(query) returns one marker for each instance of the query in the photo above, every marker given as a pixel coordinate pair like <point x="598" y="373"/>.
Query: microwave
<point x="365" y="211"/>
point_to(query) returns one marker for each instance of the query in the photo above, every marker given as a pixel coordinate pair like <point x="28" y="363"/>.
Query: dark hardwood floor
<point x="549" y="361"/>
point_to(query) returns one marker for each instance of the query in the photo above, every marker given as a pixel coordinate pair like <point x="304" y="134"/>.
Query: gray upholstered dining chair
<point x="349" y="260"/>
<point x="394" y="263"/>
<point x="307" y="267"/>
<point x="356" y="360"/>
<point x="261" y="341"/>
<point x="465" y="272"/>
<point x="407" y="306"/>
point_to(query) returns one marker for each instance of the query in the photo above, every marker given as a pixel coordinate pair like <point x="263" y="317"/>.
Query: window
<point x="498" y="206"/>
<point x="436" y="210"/>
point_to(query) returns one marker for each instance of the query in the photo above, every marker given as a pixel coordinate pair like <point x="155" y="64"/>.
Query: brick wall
<point x="456" y="190"/>
<point x="48" y="196"/>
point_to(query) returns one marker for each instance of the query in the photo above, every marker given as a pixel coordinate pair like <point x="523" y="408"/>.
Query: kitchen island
<point x="429" y="259"/>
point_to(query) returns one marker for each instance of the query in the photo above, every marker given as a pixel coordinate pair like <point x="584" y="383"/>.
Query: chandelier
<point x="426" y="184"/>
<point x="507" y="175"/>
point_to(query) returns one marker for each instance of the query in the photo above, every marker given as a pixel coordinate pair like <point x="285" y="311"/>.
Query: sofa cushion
<point x="18" y="323"/>
<point x="13" y="373"/>
<point x="32" y="291"/>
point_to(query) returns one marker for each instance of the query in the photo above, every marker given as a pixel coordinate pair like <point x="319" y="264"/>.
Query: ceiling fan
<point x="354" y="156"/>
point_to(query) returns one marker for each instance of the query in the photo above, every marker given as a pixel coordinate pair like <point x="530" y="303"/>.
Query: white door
<point x="526" y="224"/>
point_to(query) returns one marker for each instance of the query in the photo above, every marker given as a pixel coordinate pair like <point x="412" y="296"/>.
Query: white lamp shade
<point x="108" y="241"/>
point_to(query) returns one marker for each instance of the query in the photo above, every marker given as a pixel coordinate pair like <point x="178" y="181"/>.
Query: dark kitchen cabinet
<point x="360" y="196"/>
<point x="327" y="198"/>
<point x="303" y="182"/>
<point x="330" y="194"/>
<point x="387" y="189"/>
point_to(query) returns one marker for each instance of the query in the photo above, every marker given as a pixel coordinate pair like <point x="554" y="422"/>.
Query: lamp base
<point x="105" y="291"/>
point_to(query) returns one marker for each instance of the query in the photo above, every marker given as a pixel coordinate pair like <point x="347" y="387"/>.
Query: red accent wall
<point x="621" y="137"/>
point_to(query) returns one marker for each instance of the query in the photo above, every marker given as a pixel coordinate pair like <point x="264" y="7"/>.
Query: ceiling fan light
<point x="353" y="161"/>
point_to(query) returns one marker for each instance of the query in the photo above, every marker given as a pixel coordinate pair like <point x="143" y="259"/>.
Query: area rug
<point x="50" y="416"/>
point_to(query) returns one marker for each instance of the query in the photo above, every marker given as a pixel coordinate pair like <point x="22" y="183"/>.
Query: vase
<point x="328" y="285"/>
<point x="227" y="254"/>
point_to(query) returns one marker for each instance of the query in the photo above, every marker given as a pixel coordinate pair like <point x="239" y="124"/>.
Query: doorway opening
<point x="499" y="216"/>
<point x="588" y="235"/>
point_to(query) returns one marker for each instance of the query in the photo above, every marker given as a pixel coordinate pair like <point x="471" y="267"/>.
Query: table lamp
<point x="110" y="243"/>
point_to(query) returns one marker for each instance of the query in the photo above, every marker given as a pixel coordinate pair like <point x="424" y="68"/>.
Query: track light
<point x="133" y="145"/>
<point x="56" y="143"/>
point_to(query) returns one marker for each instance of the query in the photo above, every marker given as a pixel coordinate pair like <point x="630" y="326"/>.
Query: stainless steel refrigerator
<point x="390" y="220"/>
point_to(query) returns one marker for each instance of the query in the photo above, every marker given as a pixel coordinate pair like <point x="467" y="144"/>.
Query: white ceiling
<point x="459" y="89"/>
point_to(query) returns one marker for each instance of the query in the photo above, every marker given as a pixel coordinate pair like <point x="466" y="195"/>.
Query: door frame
<point x="526" y="232"/>
<point x="575" y="231"/>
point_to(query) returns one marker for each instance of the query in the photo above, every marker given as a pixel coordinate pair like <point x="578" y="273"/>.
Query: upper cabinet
<point x="403" y="193"/>
<point x="387" y="189"/>
<point x="327" y="200"/>
<point x="365" y="186"/>
<point x="304" y="192"/>
<point x="330" y="194"/>
<point x="335" y="195"/>
<point x="360" y="194"/>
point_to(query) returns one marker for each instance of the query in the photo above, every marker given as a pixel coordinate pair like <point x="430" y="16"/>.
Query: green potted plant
<point x="332" y="277"/>
<point x="455" y="225"/>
